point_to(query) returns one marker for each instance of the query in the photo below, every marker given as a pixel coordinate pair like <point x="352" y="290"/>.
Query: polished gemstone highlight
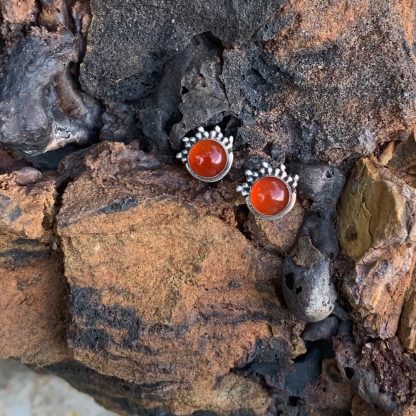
<point x="269" y="195"/>
<point x="207" y="158"/>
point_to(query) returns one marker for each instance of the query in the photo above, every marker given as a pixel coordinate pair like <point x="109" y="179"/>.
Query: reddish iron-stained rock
<point x="32" y="285"/>
<point x="276" y="235"/>
<point x="163" y="293"/>
<point x="379" y="371"/>
<point x="336" y="63"/>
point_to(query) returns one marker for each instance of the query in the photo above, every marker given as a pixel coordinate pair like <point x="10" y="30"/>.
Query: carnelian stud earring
<point x="208" y="156"/>
<point x="270" y="193"/>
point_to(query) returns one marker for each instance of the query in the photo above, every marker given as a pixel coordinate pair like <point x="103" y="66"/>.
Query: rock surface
<point x="407" y="328"/>
<point x="40" y="107"/>
<point x="276" y="235"/>
<point x="24" y="393"/>
<point x="162" y="277"/>
<point x="320" y="89"/>
<point x="18" y="11"/>
<point x="377" y="229"/>
<point x="158" y="294"/>
<point x="308" y="286"/>
<point x="32" y="284"/>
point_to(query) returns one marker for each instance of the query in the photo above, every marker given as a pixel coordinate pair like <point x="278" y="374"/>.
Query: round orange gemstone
<point x="207" y="158"/>
<point x="269" y="195"/>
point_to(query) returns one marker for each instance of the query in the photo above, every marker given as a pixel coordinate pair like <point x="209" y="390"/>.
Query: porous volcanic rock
<point x="377" y="229"/>
<point x="317" y="89"/>
<point x="165" y="294"/>
<point x="332" y="395"/>
<point x="175" y="291"/>
<point x="32" y="284"/>
<point x="41" y="108"/>
<point x="134" y="67"/>
<point x="308" y="286"/>
<point x="379" y="371"/>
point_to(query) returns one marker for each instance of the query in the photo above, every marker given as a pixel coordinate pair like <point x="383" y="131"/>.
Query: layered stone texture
<point x="163" y="294"/>
<point x="178" y="299"/>
<point x="377" y="233"/>
<point x="377" y="229"/>
<point x="32" y="285"/>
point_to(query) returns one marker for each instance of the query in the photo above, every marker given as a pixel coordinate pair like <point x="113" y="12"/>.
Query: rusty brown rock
<point x="164" y="293"/>
<point x="32" y="306"/>
<point x="26" y="209"/>
<point x="331" y="68"/>
<point x="377" y="229"/>
<point x="409" y="410"/>
<point x="407" y="332"/>
<point x="18" y="11"/>
<point x="332" y="394"/>
<point x="379" y="371"/>
<point x="276" y="235"/>
<point x="403" y="160"/>
<point x="32" y="285"/>
<point x="360" y="407"/>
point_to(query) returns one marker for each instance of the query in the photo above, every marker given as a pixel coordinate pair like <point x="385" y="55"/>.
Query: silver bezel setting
<point x="267" y="170"/>
<point x="202" y="134"/>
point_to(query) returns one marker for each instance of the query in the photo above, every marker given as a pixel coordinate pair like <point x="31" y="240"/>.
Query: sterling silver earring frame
<point x="218" y="137"/>
<point x="267" y="170"/>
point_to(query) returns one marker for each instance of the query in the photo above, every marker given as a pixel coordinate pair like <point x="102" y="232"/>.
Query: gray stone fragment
<point x="364" y="379"/>
<point x="307" y="284"/>
<point x="203" y="100"/>
<point x="130" y="41"/>
<point x="325" y="329"/>
<point x="119" y="123"/>
<point x="40" y="109"/>
<point x="309" y="292"/>
<point x="321" y="184"/>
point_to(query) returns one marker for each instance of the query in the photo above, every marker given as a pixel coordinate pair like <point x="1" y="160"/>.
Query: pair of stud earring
<point x="270" y="192"/>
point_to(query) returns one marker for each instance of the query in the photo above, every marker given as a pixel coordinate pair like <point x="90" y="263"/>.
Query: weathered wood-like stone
<point x="378" y="230"/>
<point x="163" y="294"/>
